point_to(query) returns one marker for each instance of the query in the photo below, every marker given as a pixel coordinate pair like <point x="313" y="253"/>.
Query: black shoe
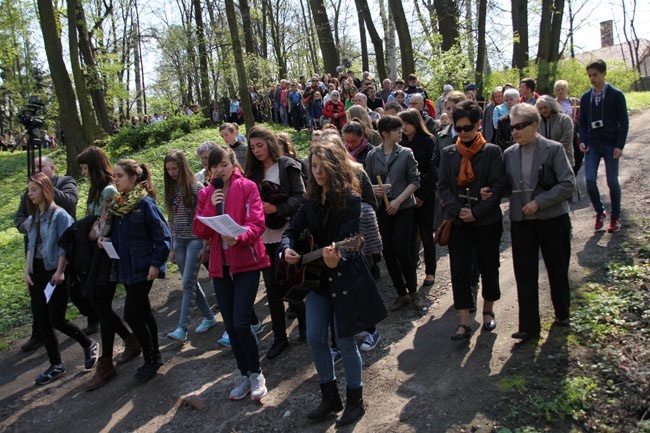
<point x="91" y="354"/>
<point x="565" y="323"/>
<point x="491" y="324"/>
<point x="277" y="348"/>
<point x="354" y="408"/>
<point x="93" y="327"/>
<point x="51" y="374"/>
<point x="465" y="335"/>
<point x="331" y="402"/>
<point x="31" y="344"/>
<point x="146" y="371"/>
<point x="525" y="335"/>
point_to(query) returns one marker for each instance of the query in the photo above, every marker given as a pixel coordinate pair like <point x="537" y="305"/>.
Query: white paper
<point x="49" y="289"/>
<point x="110" y="249"/>
<point x="224" y="225"/>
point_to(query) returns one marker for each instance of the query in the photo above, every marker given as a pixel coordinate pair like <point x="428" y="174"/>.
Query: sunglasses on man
<point x="520" y="126"/>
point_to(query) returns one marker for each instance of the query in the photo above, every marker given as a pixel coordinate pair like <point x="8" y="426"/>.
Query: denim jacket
<point x="142" y="239"/>
<point x="53" y="223"/>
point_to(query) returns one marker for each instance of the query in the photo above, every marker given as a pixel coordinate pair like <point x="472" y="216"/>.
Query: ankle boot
<point x="150" y="366"/>
<point x="104" y="372"/>
<point x="331" y="402"/>
<point x="353" y="407"/>
<point x="132" y="349"/>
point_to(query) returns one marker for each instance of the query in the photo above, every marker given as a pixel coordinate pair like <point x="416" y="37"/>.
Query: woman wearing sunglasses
<point x="466" y="167"/>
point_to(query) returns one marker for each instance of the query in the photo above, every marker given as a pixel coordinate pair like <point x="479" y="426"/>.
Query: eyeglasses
<point x="466" y="128"/>
<point x="520" y="126"/>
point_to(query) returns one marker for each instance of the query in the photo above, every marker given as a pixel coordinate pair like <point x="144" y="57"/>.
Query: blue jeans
<point x="187" y="257"/>
<point x="592" y="160"/>
<point x="319" y="310"/>
<point x="236" y="296"/>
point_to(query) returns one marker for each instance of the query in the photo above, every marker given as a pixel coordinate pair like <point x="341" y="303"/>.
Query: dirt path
<point x="416" y="380"/>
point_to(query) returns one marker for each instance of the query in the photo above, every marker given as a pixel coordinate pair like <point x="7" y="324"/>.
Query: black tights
<point x="138" y="314"/>
<point x="109" y="321"/>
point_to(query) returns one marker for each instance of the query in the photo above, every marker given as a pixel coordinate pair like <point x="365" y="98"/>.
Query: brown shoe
<point x="104" y="372"/>
<point x="400" y="302"/>
<point x="132" y="349"/>
<point x="415" y="299"/>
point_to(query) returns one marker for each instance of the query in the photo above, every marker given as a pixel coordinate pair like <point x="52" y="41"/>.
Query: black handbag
<point x="546" y="178"/>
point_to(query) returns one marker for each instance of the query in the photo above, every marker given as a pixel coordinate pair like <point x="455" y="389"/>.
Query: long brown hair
<point x="185" y="179"/>
<point x="141" y="171"/>
<point x="100" y="171"/>
<point x="286" y="143"/>
<point x="341" y="175"/>
<point x="254" y="167"/>
<point x="413" y="117"/>
<point x="46" y="186"/>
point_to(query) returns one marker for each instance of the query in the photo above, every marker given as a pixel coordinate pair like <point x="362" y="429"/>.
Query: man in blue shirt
<point x="603" y="130"/>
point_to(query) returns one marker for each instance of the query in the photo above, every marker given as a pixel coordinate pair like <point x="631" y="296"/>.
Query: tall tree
<point x="75" y="138"/>
<point x="247" y="23"/>
<point x="481" y="48"/>
<point x="328" y="49"/>
<point x="239" y="64"/>
<point x="378" y="44"/>
<point x="204" y="96"/>
<point x="447" y="12"/>
<point x="404" y="36"/>
<point x="520" y="34"/>
<point x="362" y="39"/>
<point x="550" y="27"/>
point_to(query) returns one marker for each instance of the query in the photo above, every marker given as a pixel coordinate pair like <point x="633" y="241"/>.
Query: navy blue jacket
<point x="142" y="239"/>
<point x="613" y="113"/>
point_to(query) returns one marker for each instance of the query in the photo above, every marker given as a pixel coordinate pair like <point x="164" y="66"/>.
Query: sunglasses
<point x="520" y="126"/>
<point x="466" y="128"/>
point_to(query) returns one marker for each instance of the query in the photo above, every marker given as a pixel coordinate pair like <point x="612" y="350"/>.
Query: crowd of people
<point x="389" y="164"/>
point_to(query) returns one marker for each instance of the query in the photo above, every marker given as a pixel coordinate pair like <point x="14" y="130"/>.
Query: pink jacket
<point x="243" y="204"/>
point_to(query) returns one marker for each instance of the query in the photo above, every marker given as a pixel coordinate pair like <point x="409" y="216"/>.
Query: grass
<point x="637" y="100"/>
<point x="14" y="302"/>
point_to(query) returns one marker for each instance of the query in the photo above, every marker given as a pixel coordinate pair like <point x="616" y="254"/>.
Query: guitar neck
<point x="311" y="256"/>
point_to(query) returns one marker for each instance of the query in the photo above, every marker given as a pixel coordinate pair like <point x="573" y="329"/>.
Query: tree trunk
<point x="249" y="37"/>
<point x="87" y="119"/>
<point x="405" y="44"/>
<point x="469" y="32"/>
<point x="75" y="139"/>
<point x="520" y="34"/>
<point x="447" y="11"/>
<point x="389" y="31"/>
<point x="324" y="32"/>
<point x="378" y="44"/>
<point x="481" y="47"/>
<point x="362" y="39"/>
<point x="239" y="65"/>
<point x="550" y="27"/>
<point x="204" y="98"/>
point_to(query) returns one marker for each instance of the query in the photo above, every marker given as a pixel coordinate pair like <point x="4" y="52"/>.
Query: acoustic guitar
<point x="297" y="280"/>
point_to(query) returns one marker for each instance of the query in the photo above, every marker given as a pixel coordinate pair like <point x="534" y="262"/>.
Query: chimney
<point x="606" y="33"/>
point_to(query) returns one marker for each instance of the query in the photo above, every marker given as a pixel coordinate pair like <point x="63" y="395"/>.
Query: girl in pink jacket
<point x="235" y="262"/>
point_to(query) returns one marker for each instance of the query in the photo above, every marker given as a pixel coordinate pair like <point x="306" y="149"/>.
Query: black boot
<point x="150" y="367"/>
<point x="331" y="402"/>
<point x="353" y="407"/>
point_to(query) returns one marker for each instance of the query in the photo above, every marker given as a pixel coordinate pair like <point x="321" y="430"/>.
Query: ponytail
<point x="145" y="180"/>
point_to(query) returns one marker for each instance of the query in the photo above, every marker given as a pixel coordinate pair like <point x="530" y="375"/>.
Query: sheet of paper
<point x="110" y="250"/>
<point x="49" y="289"/>
<point x="224" y="225"/>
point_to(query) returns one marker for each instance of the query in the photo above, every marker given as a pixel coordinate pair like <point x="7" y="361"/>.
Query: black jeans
<point x="274" y="296"/>
<point x="138" y="314"/>
<point x="483" y="241"/>
<point x="395" y="232"/>
<point x="423" y="224"/>
<point x="109" y="321"/>
<point x="51" y="315"/>
<point x="553" y="237"/>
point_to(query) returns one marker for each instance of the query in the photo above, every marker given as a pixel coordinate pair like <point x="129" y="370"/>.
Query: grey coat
<point x="559" y="127"/>
<point x="552" y="203"/>
<point x="400" y="171"/>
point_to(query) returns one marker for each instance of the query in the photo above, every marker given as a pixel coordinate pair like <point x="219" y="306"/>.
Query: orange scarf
<point x="466" y="173"/>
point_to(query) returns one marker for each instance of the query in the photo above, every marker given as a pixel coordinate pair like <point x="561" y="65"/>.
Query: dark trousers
<point x="553" y="237"/>
<point x="274" y="296"/>
<point x="236" y="296"/>
<point x="109" y="321"/>
<point x="423" y="225"/>
<point x="51" y="315"/>
<point x="483" y="241"/>
<point x="395" y="232"/>
<point x="83" y="304"/>
<point x="138" y="314"/>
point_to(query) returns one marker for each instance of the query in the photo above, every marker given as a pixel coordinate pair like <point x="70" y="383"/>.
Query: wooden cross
<point x="468" y="198"/>
<point x="522" y="190"/>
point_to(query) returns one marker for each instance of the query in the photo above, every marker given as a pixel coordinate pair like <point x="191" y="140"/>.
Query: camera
<point x="597" y="124"/>
<point x="29" y="117"/>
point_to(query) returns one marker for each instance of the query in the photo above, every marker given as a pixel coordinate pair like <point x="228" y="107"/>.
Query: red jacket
<point x="328" y="111"/>
<point x="243" y="204"/>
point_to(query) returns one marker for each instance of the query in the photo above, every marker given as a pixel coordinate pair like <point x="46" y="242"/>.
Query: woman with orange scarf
<point x="465" y="168"/>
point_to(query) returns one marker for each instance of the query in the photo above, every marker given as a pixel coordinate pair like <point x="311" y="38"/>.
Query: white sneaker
<point x="242" y="389"/>
<point x="257" y="386"/>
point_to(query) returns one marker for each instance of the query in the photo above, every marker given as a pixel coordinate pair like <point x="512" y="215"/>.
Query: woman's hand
<point x="331" y="256"/>
<point x="28" y="281"/>
<point x="393" y="207"/>
<point x="379" y="191"/>
<point x="230" y="240"/>
<point x="531" y="208"/>
<point x="217" y="197"/>
<point x="291" y="257"/>
<point x="100" y="240"/>
<point x="485" y="193"/>
<point x="418" y="202"/>
<point x="466" y="215"/>
<point x="57" y="278"/>
<point x="269" y="208"/>
<point x="172" y="256"/>
<point x="204" y="255"/>
<point x="153" y="273"/>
